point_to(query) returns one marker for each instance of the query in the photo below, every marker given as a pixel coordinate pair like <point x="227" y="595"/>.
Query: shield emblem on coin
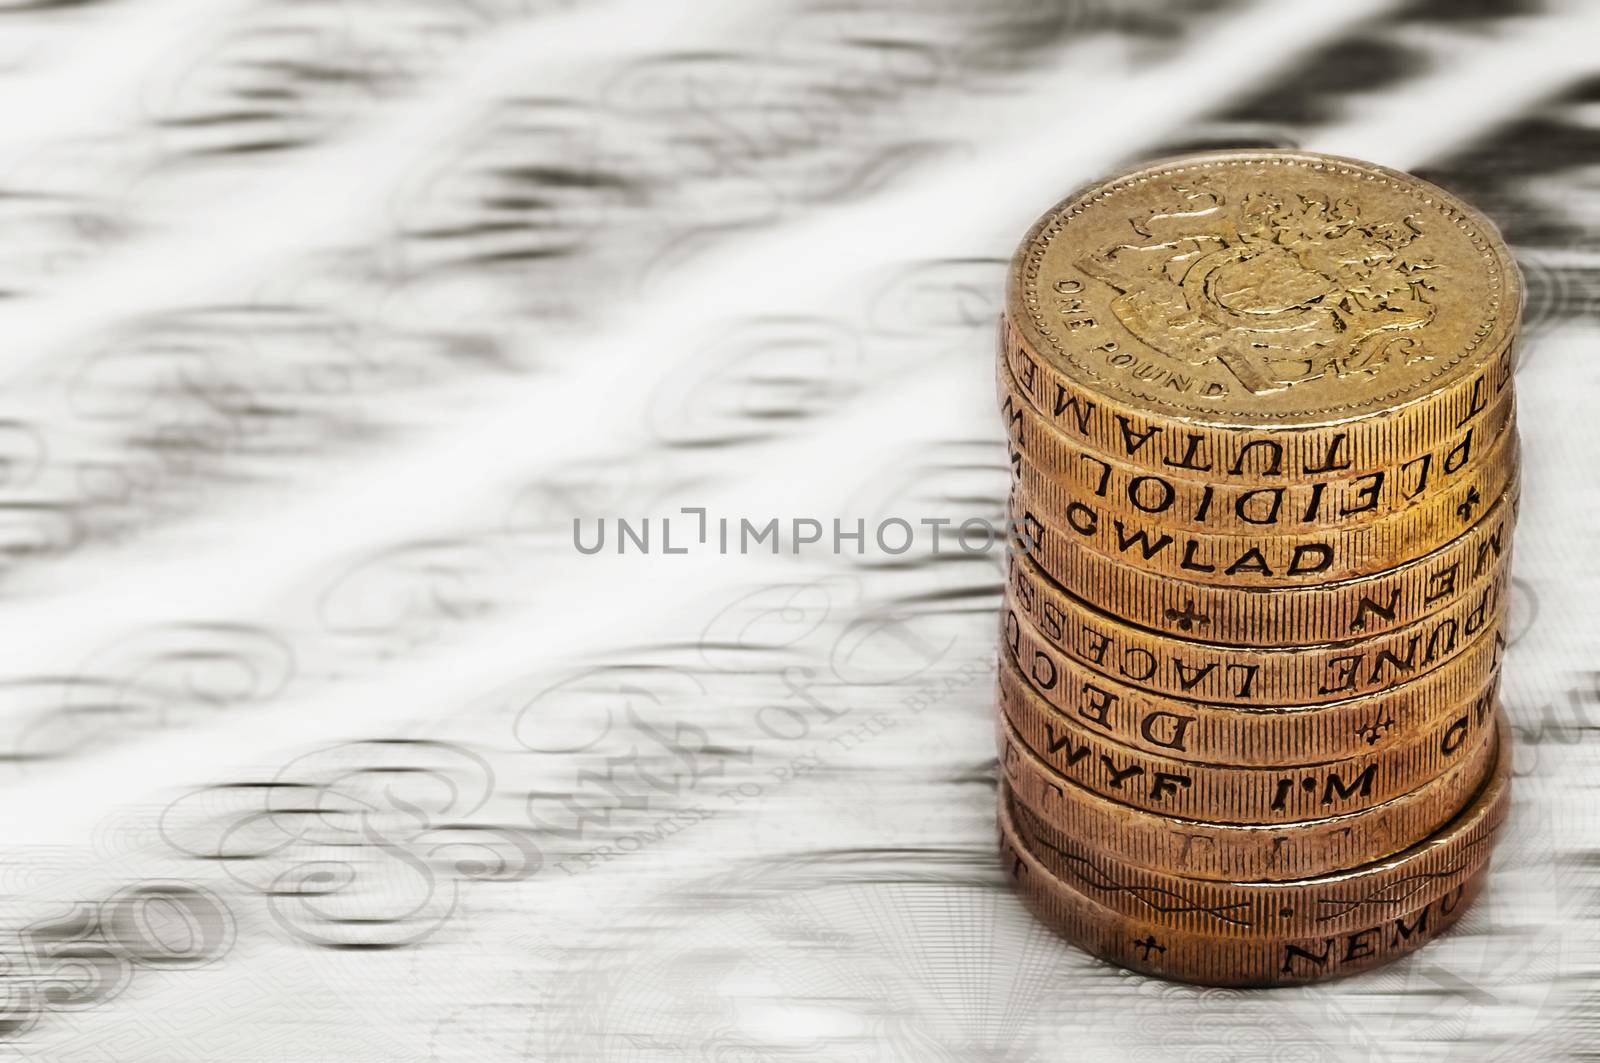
<point x="1278" y="290"/>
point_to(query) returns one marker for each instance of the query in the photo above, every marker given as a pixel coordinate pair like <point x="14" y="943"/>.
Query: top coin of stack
<point x="1264" y="453"/>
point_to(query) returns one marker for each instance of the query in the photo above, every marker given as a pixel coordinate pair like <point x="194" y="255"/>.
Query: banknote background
<point x="323" y="319"/>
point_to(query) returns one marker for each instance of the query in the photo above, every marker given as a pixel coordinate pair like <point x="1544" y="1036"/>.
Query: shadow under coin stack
<point x="1262" y="436"/>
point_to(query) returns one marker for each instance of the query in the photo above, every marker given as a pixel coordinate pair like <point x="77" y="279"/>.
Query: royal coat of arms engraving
<point x="1279" y="290"/>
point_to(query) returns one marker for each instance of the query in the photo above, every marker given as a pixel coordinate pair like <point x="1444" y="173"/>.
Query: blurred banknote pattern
<point x="497" y="507"/>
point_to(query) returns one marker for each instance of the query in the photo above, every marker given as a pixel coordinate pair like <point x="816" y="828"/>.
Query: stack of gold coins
<point x="1264" y="461"/>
